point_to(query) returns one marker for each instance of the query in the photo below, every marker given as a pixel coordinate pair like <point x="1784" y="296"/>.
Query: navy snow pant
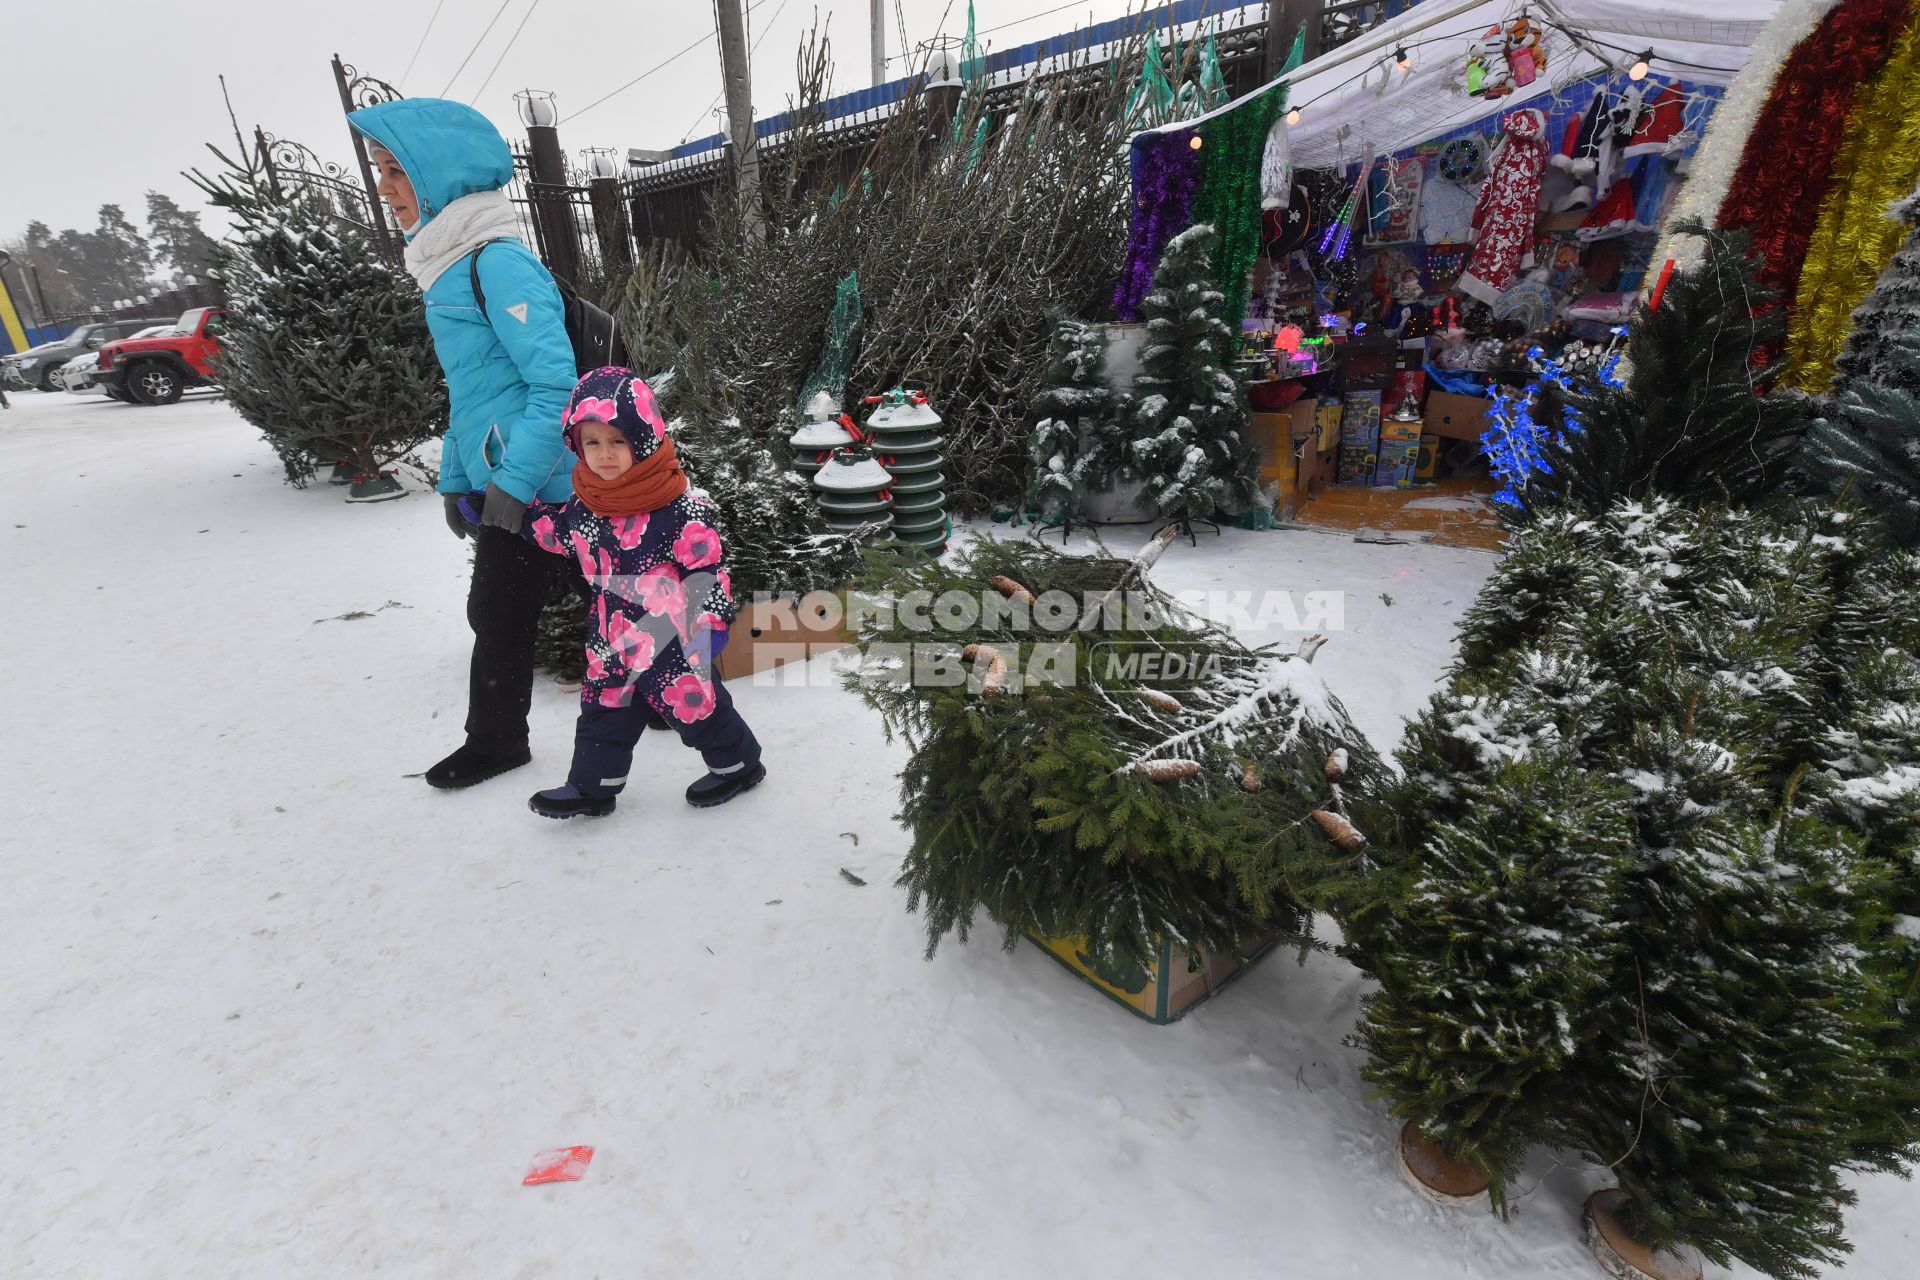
<point x="604" y="739"/>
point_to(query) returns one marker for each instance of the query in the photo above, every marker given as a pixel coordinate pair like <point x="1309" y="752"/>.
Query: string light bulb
<point x="1403" y="59"/>
<point x="1196" y="142"/>
<point x="1293" y="116"/>
<point x="1638" y="71"/>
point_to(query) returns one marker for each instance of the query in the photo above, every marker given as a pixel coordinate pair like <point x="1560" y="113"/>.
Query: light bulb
<point x="1403" y="58"/>
<point x="1196" y="142"/>
<point x="1293" y="116"/>
<point x="1638" y="71"/>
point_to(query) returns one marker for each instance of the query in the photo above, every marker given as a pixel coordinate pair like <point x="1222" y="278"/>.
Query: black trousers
<point x="510" y="581"/>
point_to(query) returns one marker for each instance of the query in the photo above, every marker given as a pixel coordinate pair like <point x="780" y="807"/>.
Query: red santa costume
<point x="1509" y="204"/>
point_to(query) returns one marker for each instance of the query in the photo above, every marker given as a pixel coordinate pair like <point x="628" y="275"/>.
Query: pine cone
<point x="1337" y="764"/>
<point x="1339" y="830"/>
<point x="995" y="683"/>
<point x="1009" y="588"/>
<point x="1249" y="779"/>
<point x="1167" y="770"/>
<point x="1164" y="701"/>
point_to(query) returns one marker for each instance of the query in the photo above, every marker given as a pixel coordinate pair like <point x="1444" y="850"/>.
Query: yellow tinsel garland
<point x="1854" y="239"/>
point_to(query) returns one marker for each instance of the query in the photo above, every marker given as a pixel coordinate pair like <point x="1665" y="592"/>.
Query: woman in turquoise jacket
<point x="443" y="170"/>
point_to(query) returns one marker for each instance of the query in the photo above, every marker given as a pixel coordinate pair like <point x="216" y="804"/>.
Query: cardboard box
<point x="1457" y="417"/>
<point x="1160" y="993"/>
<point x="1326" y="424"/>
<point x="1272" y="434"/>
<point x="1399" y="455"/>
<point x="1300" y="419"/>
<point x="1315" y="470"/>
<point x="1360" y="418"/>
<point x="772" y="633"/>
<point x="1355" y="465"/>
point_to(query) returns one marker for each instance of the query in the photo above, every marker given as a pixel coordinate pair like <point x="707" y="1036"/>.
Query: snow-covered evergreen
<point x="1073" y="448"/>
<point x="326" y="350"/>
<point x="1189" y="412"/>
<point x="1890" y="312"/>
<point x="1640" y="888"/>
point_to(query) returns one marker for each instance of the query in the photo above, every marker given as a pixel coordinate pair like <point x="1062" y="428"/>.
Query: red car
<point x="157" y="370"/>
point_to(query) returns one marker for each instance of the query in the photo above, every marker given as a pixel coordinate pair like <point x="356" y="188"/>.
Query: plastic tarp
<point x="1355" y="102"/>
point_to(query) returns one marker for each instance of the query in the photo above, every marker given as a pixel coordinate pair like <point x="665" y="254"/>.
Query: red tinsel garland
<point x="1787" y="165"/>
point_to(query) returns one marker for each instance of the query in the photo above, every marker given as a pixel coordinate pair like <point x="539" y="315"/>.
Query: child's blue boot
<point x="567" y="802"/>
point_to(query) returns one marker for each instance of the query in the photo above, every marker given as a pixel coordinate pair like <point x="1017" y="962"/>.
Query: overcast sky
<point x="107" y="101"/>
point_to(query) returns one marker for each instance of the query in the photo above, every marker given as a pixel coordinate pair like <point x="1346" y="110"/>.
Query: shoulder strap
<point x="480" y="295"/>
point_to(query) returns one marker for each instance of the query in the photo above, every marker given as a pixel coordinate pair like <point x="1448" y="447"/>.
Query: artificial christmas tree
<point x="1076" y="445"/>
<point x="1189" y="413"/>
<point x="1641" y="887"/>
<point x="326" y="349"/>
<point x="1695" y="417"/>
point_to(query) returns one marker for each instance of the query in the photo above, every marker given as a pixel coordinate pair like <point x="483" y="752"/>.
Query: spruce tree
<point x="326" y="350"/>
<point x="1189" y="413"/>
<point x="1696" y="417"/>
<point x="1072" y="447"/>
<point x="1867" y="439"/>
<point x="1736" y="961"/>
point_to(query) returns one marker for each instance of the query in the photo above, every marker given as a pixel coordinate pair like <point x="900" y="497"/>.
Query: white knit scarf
<point x="457" y="230"/>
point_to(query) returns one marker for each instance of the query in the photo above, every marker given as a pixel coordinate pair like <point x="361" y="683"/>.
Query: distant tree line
<point x="73" y="271"/>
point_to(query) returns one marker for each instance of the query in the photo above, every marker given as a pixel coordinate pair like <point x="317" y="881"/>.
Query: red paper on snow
<point x="562" y="1164"/>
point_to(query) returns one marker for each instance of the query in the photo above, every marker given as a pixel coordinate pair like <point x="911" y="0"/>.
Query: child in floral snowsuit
<point x="660" y="601"/>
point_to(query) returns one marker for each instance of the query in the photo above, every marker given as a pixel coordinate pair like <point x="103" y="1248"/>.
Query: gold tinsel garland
<point x="1854" y="240"/>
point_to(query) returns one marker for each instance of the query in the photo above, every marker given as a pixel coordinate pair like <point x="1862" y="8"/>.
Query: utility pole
<point x="878" y="26"/>
<point x="739" y="90"/>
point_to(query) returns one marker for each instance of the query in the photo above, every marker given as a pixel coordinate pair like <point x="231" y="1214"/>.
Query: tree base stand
<point x="1435" y="1175"/>
<point x="1183" y="527"/>
<point x="1619" y="1254"/>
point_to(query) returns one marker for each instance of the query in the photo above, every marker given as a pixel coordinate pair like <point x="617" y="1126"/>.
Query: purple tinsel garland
<point x="1166" y="172"/>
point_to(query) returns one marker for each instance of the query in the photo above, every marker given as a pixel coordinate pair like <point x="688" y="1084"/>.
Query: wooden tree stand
<point x="1619" y="1254"/>
<point x="1437" y="1176"/>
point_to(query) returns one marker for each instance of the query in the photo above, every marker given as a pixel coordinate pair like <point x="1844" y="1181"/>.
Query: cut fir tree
<point x="1646" y="886"/>
<point x="1189" y="414"/>
<point x="1073" y="797"/>
<point x="326" y="349"/>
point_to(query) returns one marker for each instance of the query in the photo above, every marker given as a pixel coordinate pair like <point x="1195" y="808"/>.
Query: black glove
<point x="502" y="511"/>
<point x="456" y="518"/>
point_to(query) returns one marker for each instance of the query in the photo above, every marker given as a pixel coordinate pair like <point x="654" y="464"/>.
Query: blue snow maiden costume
<point x="509" y="370"/>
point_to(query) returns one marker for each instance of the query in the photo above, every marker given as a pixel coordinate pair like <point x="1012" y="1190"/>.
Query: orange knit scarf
<point x="647" y="485"/>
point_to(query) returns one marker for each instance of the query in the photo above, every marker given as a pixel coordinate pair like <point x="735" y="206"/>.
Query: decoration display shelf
<point x="1161" y="993"/>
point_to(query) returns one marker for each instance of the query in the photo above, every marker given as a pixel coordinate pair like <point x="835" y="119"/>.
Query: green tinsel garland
<point x="1232" y="145"/>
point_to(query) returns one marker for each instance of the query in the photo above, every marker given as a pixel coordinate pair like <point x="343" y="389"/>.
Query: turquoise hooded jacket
<point x="510" y="369"/>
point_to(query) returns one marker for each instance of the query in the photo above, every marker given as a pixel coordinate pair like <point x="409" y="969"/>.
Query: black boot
<point x="718" y="788"/>
<point x="566" y="802"/>
<point x="470" y="765"/>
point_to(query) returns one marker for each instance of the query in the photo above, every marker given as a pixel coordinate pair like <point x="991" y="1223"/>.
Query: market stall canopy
<point x="1355" y="102"/>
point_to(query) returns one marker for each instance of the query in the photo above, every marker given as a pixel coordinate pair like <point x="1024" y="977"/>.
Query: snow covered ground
<point x="273" y="1008"/>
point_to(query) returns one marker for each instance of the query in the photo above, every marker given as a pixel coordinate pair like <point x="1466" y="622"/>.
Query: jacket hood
<point x="448" y="149"/>
<point x="621" y="399"/>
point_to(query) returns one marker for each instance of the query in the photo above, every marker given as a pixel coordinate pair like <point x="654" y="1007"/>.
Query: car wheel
<point x="49" y="380"/>
<point x="154" y="383"/>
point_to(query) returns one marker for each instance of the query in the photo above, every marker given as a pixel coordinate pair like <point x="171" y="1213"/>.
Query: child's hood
<point x="620" y="398"/>
<point x="447" y="148"/>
